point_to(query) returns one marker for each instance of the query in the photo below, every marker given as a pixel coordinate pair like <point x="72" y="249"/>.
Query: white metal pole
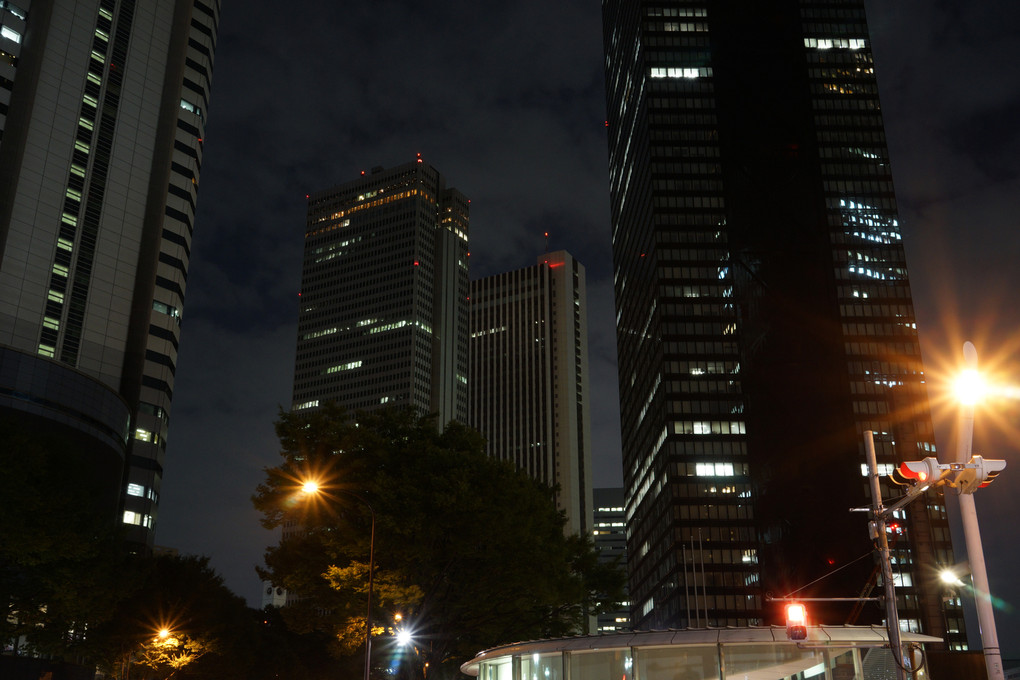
<point x="975" y="553"/>
<point x="891" y="614"/>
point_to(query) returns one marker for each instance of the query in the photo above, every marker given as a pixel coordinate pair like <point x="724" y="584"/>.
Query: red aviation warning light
<point x="796" y="621"/>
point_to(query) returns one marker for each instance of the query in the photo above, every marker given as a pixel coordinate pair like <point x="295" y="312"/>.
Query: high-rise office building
<point x="384" y="295"/>
<point x="610" y="535"/>
<point x="102" y="111"/>
<point x="764" y="315"/>
<point x="529" y="376"/>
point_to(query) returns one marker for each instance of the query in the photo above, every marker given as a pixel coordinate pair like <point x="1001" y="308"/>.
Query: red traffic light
<point x="914" y="470"/>
<point x="925" y="472"/>
<point x="796" y="621"/>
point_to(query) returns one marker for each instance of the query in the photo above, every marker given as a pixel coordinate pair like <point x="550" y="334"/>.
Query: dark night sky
<point x="506" y="100"/>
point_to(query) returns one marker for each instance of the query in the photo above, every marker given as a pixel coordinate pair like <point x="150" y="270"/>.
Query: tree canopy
<point x="470" y="552"/>
<point x="59" y="543"/>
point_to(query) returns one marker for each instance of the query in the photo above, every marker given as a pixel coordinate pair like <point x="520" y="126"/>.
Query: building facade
<point x="384" y="295"/>
<point x="610" y="535"/>
<point x="102" y="112"/>
<point x="764" y="315"/>
<point x="529" y="376"/>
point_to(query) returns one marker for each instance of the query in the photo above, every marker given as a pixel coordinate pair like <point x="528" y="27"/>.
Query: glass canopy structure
<point x="756" y="653"/>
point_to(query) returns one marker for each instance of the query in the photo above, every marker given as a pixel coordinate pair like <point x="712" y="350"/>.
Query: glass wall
<point x="542" y="667"/>
<point x="614" y="665"/>
<point x="694" y="662"/>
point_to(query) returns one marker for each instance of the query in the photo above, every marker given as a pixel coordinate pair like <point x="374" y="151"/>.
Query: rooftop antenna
<point x="547" y="242"/>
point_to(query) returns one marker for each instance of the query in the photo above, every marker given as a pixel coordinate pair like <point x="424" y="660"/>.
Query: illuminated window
<point x="832" y="43"/>
<point x="910" y="625"/>
<point x="136" y="490"/>
<point x="164" y="308"/>
<point x="343" y="367"/>
<point x="681" y="72"/>
<point x="188" y="106"/>
<point x="709" y="427"/>
<point x="138" y="519"/>
<point x="10" y="34"/>
<point x="883" y="469"/>
<point x="714" y="470"/>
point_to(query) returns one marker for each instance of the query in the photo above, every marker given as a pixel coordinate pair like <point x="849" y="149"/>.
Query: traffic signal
<point x="913" y="472"/>
<point x="978" y="474"/>
<point x="991" y="470"/>
<point x="796" y="621"/>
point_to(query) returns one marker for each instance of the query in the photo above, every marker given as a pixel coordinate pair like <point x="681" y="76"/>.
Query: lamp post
<point x="312" y="488"/>
<point x="975" y="553"/>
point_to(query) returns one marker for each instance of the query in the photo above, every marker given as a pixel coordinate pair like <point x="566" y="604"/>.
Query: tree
<point x="60" y="550"/>
<point x="468" y="550"/>
<point x="174" y="614"/>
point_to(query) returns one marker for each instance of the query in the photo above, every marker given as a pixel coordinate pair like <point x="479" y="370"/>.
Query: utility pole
<point x="878" y="533"/>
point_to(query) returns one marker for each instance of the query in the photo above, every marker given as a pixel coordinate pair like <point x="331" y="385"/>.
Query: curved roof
<point x="834" y="636"/>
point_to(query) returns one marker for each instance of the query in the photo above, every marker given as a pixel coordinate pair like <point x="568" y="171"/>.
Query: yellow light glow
<point x="164" y="633"/>
<point x="310" y="487"/>
<point x="969" y="387"/>
<point x="949" y="577"/>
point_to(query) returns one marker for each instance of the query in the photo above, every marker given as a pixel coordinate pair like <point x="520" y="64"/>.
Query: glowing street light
<point x="950" y="577"/>
<point x="311" y="488"/>
<point x="403" y="637"/>
<point x="969" y="387"/>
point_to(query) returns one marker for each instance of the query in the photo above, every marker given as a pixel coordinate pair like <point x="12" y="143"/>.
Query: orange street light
<point x="969" y="387"/>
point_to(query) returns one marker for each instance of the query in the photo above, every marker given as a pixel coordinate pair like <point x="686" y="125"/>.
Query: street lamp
<point x="312" y="488"/>
<point x="969" y="392"/>
<point x="950" y="577"/>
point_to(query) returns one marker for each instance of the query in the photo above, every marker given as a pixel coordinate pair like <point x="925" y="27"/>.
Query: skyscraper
<point x="102" y="112"/>
<point x="610" y="534"/>
<point x="384" y="287"/>
<point x="529" y="376"/>
<point x="764" y="316"/>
